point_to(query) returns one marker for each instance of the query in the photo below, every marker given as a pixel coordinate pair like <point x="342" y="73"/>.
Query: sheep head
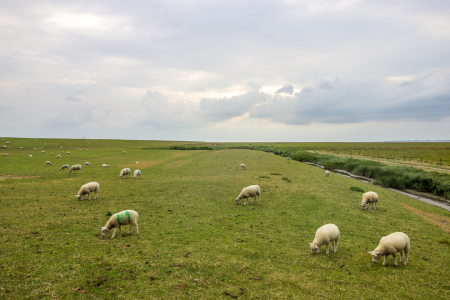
<point x="375" y="256"/>
<point x="314" y="248"/>
<point x="104" y="231"/>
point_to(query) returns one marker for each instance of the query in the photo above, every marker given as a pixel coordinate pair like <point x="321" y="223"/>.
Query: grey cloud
<point x="288" y="89"/>
<point x="73" y="99"/>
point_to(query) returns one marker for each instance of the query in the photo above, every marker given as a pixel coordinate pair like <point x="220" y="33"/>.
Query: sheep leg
<point x="328" y="251"/>
<point x="259" y="199"/>
<point x="120" y="228"/>
<point x="96" y="194"/>
<point x="406" y="255"/>
<point x="114" y="233"/>
<point x="335" y="244"/>
<point x="395" y="259"/>
<point x="131" y="227"/>
<point x="137" y="229"/>
<point x="89" y="195"/>
<point x="401" y="255"/>
<point x="254" y="200"/>
<point x="384" y="262"/>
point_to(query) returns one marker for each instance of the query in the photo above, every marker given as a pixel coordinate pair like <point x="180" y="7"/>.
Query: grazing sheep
<point x="64" y="167"/>
<point x="391" y="244"/>
<point x="324" y="235"/>
<point x="62" y="152"/>
<point x="52" y="153"/>
<point x="69" y="153"/>
<point x="87" y="164"/>
<point x="48" y="163"/>
<point x="76" y="168"/>
<point x="137" y="174"/>
<point x="43" y="152"/>
<point x="60" y="147"/>
<point x="137" y="162"/>
<point x="123" y="152"/>
<point x="7" y="143"/>
<point x="58" y="156"/>
<point x="125" y="172"/>
<point x="106" y="166"/>
<point x="370" y="198"/>
<point x="243" y="167"/>
<point x="5" y="154"/>
<point x="31" y="156"/>
<point x="327" y="173"/>
<point x="250" y="191"/>
<point x="123" y="218"/>
<point x="4" y="147"/>
<point x="21" y="148"/>
<point x="87" y="189"/>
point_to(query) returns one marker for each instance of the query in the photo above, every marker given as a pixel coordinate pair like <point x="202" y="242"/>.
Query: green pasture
<point x="194" y="241"/>
<point x="436" y="153"/>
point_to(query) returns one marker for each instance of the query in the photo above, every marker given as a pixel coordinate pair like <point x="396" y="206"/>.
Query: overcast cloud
<point x="226" y="71"/>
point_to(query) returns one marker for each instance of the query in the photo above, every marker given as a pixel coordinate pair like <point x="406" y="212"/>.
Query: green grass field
<point x="195" y="242"/>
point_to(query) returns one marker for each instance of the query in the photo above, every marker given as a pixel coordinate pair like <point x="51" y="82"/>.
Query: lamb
<point x="87" y="164"/>
<point x="48" y="163"/>
<point x="64" y="167"/>
<point x="125" y="172"/>
<point x="391" y="244"/>
<point x="324" y="235"/>
<point x="75" y="168"/>
<point x="43" y="152"/>
<point x="106" y="166"/>
<point x="243" y="167"/>
<point x="250" y="191"/>
<point x="122" y="218"/>
<point x="327" y="173"/>
<point x="137" y="174"/>
<point x="31" y="156"/>
<point x="370" y="198"/>
<point x="69" y="153"/>
<point x="87" y="189"/>
<point x="58" y="156"/>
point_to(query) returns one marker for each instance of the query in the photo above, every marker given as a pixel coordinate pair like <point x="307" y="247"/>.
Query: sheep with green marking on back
<point x="122" y="218"/>
<point x="64" y="167"/>
<point x="76" y="168"/>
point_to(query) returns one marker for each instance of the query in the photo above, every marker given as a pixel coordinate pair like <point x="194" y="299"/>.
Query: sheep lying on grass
<point x="137" y="174"/>
<point x="106" y="166"/>
<point x="123" y="218"/>
<point x="391" y="244"/>
<point x="87" y="164"/>
<point x="48" y="163"/>
<point x="370" y="198"/>
<point x="76" y="168"/>
<point x="64" y="167"/>
<point x="324" y="235"/>
<point x="250" y="191"/>
<point x="125" y="172"/>
<point x="87" y="189"/>
<point x="58" y="156"/>
<point x="327" y="173"/>
<point x="243" y="167"/>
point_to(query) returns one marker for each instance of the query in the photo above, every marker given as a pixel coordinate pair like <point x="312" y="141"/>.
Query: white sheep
<point x="243" y="167"/>
<point x="7" y="143"/>
<point x="21" y="148"/>
<point x="106" y="166"/>
<point x="125" y="172"/>
<point x="87" y="164"/>
<point x="327" y="173"/>
<point x="324" y="235"/>
<point x="52" y="153"/>
<point x="58" y="156"/>
<point x="5" y="154"/>
<point x="69" y="153"/>
<point x="370" y="198"/>
<point x="48" y="163"/>
<point x="123" y="218"/>
<point x="76" y="168"/>
<point x="4" y="147"/>
<point x="34" y="148"/>
<point x="391" y="244"/>
<point x="123" y="152"/>
<point x="60" y="147"/>
<point x="137" y="162"/>
<point x="87" y="189"/>
<point x="31" y="156"/>
<point x="250" y="191"/>
<point x="64" y="167"/>
<point x="136" y="174"/>
<point x="43" y="152"/>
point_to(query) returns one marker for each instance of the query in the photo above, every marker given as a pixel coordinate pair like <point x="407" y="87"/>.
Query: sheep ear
<point x="378" y="253"/>
<point x="310" y="244"/>
<point x="370" y="252"/>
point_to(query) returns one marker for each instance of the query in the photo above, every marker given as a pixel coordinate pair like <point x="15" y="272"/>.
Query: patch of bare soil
<point x="440" y="221"/>
<point x="3" y="177"/>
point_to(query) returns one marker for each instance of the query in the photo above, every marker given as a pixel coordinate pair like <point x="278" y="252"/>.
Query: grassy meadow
<point x="194" y="241"/>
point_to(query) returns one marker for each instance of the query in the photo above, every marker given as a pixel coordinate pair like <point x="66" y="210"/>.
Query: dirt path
<point x="386" y="161"/>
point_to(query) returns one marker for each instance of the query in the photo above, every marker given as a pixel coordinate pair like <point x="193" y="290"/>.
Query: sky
<point x="218" y="71"/>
